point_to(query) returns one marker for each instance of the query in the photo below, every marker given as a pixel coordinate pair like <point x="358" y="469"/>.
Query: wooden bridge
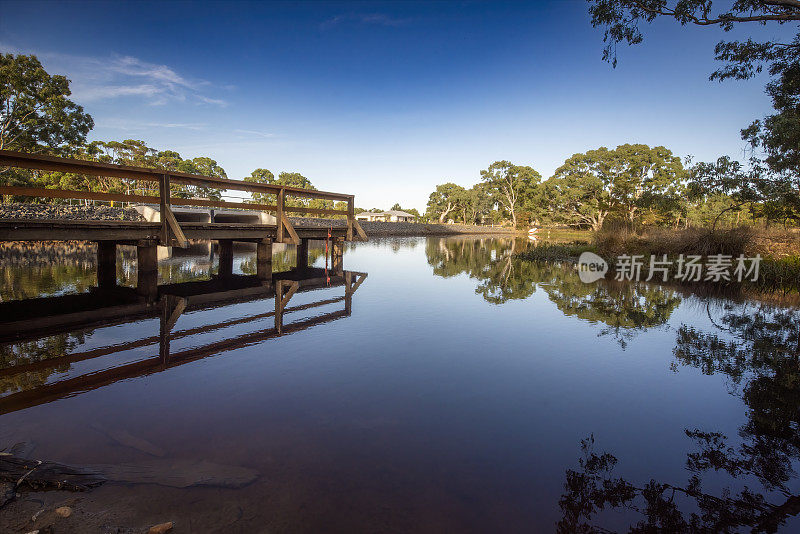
<point x="167" y="231"/>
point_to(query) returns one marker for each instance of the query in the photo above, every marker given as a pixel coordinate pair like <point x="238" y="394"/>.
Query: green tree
<point x="131" y="152"/>
<point x="579" y="191"/>
<point x="204" y="166"/>
<point x="294" y="179"/>
<point x="289" y="179"/>
<point x="627" y="180"/>
<point x="475" y="204"/>
<point x="510" y="184"/>
<point x="261" y="176"/>
<point x="645" y="178"/>
<point x="36" y="114"/>
<point x="444" y="200"/>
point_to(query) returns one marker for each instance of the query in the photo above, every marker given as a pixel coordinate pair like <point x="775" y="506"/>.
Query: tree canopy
<point x="36" y="114"/>
<point x="510" y="184"/>
<point x="444" y="200"/>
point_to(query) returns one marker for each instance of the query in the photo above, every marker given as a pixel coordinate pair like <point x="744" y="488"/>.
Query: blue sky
<point x="384" y="100"/>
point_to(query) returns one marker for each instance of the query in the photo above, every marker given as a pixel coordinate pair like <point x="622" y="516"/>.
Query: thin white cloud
<point x="128" y="125"/>
<point x="112" y="77"/>
<point x="163" y="74"/>
<point x="209" y="100"/>
<point x="100" y="92"/>
<point x="256" y="133"/>
<point x="375" y="19"/>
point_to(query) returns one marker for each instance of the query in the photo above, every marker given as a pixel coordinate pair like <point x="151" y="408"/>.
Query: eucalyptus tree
<point x="36" y="114"/>
<point x="645" y="178"/>
<point x="289" y="179"/>
<point x="261" y="176"/>
<point x="510" y="184"/>
<point x="444" y="200"/>
<point x="476" y="203"/>
<point x="204" y="166"/>
<point x="590" y="186"/>
<point x="580" y="190"/>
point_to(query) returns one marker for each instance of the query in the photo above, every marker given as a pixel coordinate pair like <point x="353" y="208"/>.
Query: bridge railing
<point x="171" y="231"/>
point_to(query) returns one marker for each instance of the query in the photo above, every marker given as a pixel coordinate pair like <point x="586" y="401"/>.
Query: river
<point x="438" y="384"/>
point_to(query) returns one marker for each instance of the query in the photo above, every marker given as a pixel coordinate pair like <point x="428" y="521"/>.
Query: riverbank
<point x="112" y="213"/>
<point x="779" y="251"/>
<point x="406" y="229"/>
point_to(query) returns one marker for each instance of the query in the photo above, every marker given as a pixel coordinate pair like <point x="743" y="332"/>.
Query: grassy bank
<point x="779" y="271"/>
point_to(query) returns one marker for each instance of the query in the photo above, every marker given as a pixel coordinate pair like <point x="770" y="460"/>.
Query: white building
<point x="386" y="216"/>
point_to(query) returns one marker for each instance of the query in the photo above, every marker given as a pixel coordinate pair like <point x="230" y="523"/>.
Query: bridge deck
<point x="131" y="232"/>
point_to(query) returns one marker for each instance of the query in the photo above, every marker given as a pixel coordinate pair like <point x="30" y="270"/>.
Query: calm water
<point x="449" y="389"/>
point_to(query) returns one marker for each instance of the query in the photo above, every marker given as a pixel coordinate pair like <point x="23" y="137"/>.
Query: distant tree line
<point x="632" y="183"/>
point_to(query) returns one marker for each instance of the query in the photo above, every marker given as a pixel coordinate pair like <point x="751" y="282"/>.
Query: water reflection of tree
<point x="757" y="349"/>
<point x="502" y="276"/>
<point x="282" y="261"/>
<point x="24" y="281"/>
<point x="623" y="308"/>
<point x="17" y="354"/>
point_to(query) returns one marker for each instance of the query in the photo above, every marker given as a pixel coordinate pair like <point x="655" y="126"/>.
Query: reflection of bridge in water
<point x="42" y="318"/>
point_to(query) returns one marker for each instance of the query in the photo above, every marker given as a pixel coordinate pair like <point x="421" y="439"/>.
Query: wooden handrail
<point x="22" y="160"/>
<point x="41" y="192"/>
<point x="171" y="231"/>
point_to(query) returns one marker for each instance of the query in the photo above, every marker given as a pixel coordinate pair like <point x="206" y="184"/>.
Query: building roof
<point x="395" y="213"/>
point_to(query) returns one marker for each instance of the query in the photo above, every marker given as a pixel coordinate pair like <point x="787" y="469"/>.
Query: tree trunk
<point x="445" y="212"/>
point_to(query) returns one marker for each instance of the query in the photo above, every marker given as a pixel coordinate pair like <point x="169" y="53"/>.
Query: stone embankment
<point x="67" y="211"/>
<point x="111" y="213"/>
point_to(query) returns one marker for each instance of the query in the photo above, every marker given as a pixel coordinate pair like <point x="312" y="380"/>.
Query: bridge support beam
<point x="302" y="255"/>
<point x="106" y="264"/>
<point x="225" y="257"/>
<point x="264" y="259"/>
<point x="147" y="269"/>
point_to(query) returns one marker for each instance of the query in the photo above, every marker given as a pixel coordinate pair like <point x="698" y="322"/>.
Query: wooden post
<point x="106" y="264"/>
<point x="302" y="255"/>
<point x="171" y="233"/>
<point x="337" y="256"/>
<point x="264" y="259"/>
<point x="225" y="257"/>
<point x="147" y="269"/>
<point x="348" y="292"/>
<point x="351" y="215"/>
<point x="164" y="334"/>
<point x="171" y="309"/>
<point x="163" y="193"/>
<point x="279" y="216"/>
<point x="279" y="307"/>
